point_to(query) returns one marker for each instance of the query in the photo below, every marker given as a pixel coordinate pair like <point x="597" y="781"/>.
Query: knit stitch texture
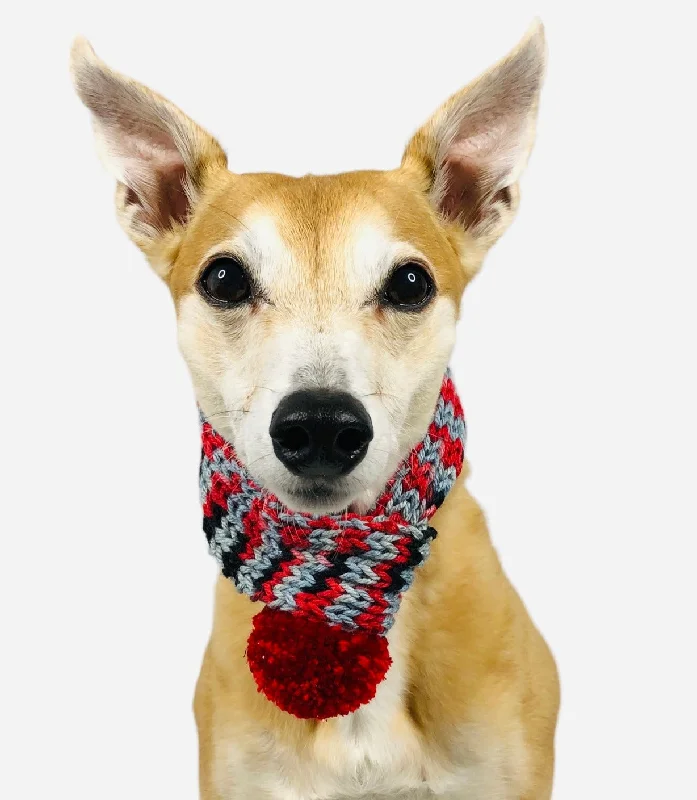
<point x="348" y="570"/>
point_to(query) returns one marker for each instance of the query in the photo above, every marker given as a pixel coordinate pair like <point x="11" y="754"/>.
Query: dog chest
<point x="374" y="754"/>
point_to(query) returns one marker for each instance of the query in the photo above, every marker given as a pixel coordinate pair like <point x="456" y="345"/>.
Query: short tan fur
<point x="469" y="708"/>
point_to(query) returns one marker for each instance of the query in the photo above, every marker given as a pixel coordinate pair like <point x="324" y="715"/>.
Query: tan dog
<point x="311" y="301"/>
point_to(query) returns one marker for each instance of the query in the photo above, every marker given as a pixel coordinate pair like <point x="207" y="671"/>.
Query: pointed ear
<point x="474" y="148"/>
<point x="159" y="157"/>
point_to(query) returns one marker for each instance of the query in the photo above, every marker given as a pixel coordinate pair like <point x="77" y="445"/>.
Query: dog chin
<point x="316" y="498"/>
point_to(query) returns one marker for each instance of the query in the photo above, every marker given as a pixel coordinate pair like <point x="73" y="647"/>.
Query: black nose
<point x="320" y="433"/>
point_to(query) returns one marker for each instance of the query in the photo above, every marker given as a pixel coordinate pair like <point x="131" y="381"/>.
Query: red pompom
<point x="313" y="670"/>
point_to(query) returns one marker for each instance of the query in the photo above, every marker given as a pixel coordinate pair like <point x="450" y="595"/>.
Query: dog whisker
<point x="260" y="458"/>
<point x="228" y="214"/>
<point x="381" y="395"/>
<point x="227" y="412"/>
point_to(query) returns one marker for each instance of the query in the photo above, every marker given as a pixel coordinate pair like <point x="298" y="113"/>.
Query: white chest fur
<point x="376" y="753"/>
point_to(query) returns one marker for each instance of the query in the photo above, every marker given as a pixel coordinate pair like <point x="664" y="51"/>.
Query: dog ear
<point x="474" y="148"/>
<point x="159" y="157"/>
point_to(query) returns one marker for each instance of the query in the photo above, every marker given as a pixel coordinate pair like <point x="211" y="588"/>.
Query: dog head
<point x="317" y="314"/>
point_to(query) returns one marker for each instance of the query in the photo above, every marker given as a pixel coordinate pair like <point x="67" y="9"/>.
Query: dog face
<point x="317" y="314"/>
<point x="350" y="292"/>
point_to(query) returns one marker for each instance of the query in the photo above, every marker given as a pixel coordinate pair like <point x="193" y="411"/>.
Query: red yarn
<point x="313" y="670"/>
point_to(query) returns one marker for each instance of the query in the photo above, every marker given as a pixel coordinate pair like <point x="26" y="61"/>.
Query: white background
<point x="575" y="361"/>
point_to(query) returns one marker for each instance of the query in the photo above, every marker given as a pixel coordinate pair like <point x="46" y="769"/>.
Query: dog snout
<point x="320" y="433"/>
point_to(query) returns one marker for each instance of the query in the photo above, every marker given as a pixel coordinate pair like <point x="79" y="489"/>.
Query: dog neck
<point x="331" y="584"/>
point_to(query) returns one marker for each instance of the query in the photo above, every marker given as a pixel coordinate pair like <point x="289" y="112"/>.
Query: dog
<point x="310" y="302"/>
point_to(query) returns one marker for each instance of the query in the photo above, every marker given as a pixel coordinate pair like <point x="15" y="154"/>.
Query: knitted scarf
<point x="331" y="585"/>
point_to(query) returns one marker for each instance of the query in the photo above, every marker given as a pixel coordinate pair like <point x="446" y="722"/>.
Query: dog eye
<point x="226" y="282"/>
<point x="409" y="286"/>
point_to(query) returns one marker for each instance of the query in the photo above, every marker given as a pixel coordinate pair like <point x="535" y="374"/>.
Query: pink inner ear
<point x="468" y="197"/>
<point x="462" y="190"/>
<point x="173" y="203"/>
<point x="471" y="169"/>
<point x="156" y="177"/>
